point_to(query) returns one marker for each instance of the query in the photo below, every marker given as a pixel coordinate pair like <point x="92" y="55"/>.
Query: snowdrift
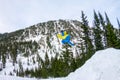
<point x="3" y="77"/>
<point x="104" y="65"/>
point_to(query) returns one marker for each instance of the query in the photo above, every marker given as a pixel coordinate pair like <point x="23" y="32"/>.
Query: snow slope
<point x="14" y="78"/>
<point x="104" y="65"/>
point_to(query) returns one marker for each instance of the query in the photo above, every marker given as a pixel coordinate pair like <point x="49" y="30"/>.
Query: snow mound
<point x="104" y="65"/>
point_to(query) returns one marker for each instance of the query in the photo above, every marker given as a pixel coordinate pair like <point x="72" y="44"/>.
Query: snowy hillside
<point x="103" y="65"/>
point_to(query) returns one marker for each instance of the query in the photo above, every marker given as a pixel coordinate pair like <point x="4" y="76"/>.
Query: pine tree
<point x="0" y="52"/>
<point x="118" y="27"/>
<point x="4" y="60"/>
<point x="97" y="33"/>
<point x="14" y="53"/>
<point x="21" y="71"/>
<point x="56" y="66"/>
<point x="73" y="65"/>
<point x="68" y="58"/>
<point x="44" y="72"/>
<point x="88" y="43"/>
<point x="118" y="34"/>
<point x="4" y="55"/>
<point x="47" y="61"/>
<point x="102" y="22"/>
<point x="46" y="64"/>
<point x="112" y="40"/>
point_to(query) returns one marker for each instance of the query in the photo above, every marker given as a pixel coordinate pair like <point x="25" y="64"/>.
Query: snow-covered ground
<point x="14" y="78"/>
<point x="104" y="65"/>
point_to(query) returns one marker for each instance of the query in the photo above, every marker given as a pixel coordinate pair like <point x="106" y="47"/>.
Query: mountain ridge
<point x="36" y="42"/>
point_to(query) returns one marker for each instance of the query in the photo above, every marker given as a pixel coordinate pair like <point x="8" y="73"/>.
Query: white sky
<point x="18" y="14"/>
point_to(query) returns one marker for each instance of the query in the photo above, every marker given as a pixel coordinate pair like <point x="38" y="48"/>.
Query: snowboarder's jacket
<point x="65" y="37"/>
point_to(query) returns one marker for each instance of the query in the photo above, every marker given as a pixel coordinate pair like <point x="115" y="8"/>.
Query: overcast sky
<point x="19" y="14"/>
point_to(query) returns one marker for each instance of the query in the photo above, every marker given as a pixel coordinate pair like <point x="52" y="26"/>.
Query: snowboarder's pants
<point x="67" y="40"/>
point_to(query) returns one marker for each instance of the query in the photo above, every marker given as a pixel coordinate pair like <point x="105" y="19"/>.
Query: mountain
<point x="28" y="48"/>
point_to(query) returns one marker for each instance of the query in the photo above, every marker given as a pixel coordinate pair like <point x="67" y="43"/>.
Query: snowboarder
<point x="65" y="38"/>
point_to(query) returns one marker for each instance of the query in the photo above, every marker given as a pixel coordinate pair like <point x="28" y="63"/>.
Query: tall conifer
<point x="97" y="33"/>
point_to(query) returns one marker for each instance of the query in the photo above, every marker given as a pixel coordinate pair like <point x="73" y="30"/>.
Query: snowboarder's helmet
<point x="61" y="31"/>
